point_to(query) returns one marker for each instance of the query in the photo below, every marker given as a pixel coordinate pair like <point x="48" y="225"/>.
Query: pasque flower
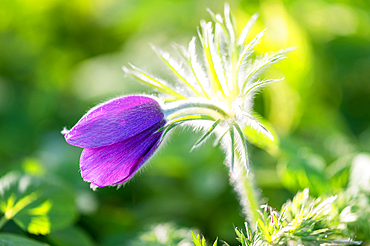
<point x="118" y="136"/>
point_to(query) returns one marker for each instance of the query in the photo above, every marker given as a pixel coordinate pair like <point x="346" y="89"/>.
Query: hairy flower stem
<point x="192" y="103"/>
<point x="240" y="177"/>
<point x="3" y="221"/>
<point x="242" y="180"/>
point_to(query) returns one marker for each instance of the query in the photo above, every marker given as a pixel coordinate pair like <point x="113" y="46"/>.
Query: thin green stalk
<point x="3" y="221"/>
<point x="175" y="107"/>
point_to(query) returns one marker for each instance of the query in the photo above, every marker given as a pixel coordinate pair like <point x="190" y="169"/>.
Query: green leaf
<point x="204" y="243"/>
<point x="195" y="66"/>
<point x="246" y="51"/>
<point x="220" y="53"/>
<point x="190" y="57"/>
<point x="207" y="43"/>
<point x="168" y="128"/>
<point x="299" y="168"/>
<point x="218" y="140"/>
<point x="71" y="236"/>
<point x="261" y="83"/>
<point x="252" y="122"/>
<point x="230" y="26"/>
<point x="215" y="243"/>
<point x="243" y="35"/>
<point x="37" y="205"/>
<point x="218" y="19"/>
<point x="151" y="81"/>
<point x="297" y="173"/>
<point x="196" y="239"/>
<point x="261" y="140"/>
<point x="339" y="171"/>
<point x="245" y="147"/>
<point x="7" y="239"/>
<point x="175" y="68"/>
<point x="210" y="130"/>
<point x="261" y="64"/>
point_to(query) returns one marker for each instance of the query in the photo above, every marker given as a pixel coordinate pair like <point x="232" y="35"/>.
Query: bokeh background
<point x="60" y="58"/>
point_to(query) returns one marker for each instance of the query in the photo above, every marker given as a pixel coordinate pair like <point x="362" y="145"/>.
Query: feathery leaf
<point x="260" y="64"/>
<point x="212" y="72"/>
<point x="175" y="68"/>
<point x="255" y="124"/>
<point x="259" y="84"/>
<point x="210" y="130"/>
<point x="246" y="29"/>
<point x="245" y="147"/>
<point x="151" y="81"/>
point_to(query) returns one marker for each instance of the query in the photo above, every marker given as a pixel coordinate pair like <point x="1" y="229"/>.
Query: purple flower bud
<point x="118" y="136"/>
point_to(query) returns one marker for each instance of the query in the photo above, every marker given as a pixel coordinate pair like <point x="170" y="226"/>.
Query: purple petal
<point x="115" y="121"/>
<point x="115" y="164"/>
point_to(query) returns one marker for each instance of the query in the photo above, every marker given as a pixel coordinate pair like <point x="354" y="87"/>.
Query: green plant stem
<point x="3" y="221"/>
<point x="242" y="180"/>
<point x="175" y="107"/>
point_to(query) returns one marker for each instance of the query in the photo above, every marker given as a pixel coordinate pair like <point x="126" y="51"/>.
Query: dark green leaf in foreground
<point x="71" y="236"/>
<point x="37" y="205"/>
<point x="7" y="239"/>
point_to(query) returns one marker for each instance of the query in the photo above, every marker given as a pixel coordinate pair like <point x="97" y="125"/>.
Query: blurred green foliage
<point x="37" y="205"/>
<point x="7" y="239"/>
<point x="59" y="58"/>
